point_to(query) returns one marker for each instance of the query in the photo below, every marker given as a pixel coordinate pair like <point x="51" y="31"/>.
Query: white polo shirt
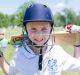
<point x="54" y="62"/>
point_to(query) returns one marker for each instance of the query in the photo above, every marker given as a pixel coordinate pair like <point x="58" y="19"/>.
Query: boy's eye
<point x="33" y="29"/>
<point x="44" y="29"/>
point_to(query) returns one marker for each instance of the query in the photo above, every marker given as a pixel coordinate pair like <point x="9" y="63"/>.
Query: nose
<point x="39" y="36"/>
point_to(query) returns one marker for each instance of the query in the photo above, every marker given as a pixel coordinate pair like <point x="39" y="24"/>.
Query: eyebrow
<point x="33" y="28"/>
<point x="44" y="28"/>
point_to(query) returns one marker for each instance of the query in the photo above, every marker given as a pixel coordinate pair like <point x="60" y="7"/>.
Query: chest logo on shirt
<point x="52" y="65"/>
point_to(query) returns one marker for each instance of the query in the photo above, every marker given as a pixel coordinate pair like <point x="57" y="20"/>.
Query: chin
<point x="39" y="44"/>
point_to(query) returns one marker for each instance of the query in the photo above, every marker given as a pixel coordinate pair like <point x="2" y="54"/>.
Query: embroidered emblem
<point x="52" y="65"/>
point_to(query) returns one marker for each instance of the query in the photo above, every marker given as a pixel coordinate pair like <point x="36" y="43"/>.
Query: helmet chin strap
<point x="40" y="59"/>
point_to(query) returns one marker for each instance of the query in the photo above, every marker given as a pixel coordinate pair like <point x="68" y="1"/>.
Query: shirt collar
<point x="29" y="53"/>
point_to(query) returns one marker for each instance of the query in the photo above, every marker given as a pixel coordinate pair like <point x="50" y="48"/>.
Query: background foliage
<point x="68" y="16"/>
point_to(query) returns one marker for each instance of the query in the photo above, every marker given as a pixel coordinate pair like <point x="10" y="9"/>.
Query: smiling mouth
<point x="38" y="40"/>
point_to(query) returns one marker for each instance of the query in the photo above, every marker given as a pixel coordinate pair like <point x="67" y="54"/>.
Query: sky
<point x="11" y="6"/>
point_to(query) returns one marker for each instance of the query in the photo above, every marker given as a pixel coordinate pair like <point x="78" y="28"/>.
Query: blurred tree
<point x="59" y="20"/>
<point x="69" y="17"/>
<point x="4" y="20"/>
<point x="78" y="19"/>
<point x="12" y="20"/>
<point x="21" y="11"/>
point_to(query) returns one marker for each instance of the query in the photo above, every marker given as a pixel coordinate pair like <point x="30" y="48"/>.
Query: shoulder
<point x="18" y="54"/>
<point x="57" y="48"/>
<point x="58" y="52"/>
<point x="19" y="51"/>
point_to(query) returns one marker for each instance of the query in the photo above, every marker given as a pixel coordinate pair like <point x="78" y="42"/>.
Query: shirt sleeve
<point x="12" y="69"/>
<point x="71" y="63"/>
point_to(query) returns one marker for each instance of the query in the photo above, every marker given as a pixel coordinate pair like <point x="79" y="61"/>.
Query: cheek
<point x="31" y="33"/>
<point x="46" y="37"/>
<point x="30" y="36"/>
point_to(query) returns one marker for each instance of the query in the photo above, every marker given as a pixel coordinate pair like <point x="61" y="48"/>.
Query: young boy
<point x="38" y="55"/>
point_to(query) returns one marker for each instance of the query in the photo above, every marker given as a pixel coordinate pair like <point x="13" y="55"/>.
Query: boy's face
<point x="38" y="32"/>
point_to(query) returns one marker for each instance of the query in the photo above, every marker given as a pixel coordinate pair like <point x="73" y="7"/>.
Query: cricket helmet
<point x="38" y="13"/>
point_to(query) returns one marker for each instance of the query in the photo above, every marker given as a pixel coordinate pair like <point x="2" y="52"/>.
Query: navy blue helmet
<point x="38" y="13"/>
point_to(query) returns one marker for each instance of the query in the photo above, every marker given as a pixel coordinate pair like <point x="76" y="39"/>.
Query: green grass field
<point x="10" y="51"/>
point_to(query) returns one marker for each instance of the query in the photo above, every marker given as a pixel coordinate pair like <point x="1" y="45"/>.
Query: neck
<point x="37" y="50"/>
